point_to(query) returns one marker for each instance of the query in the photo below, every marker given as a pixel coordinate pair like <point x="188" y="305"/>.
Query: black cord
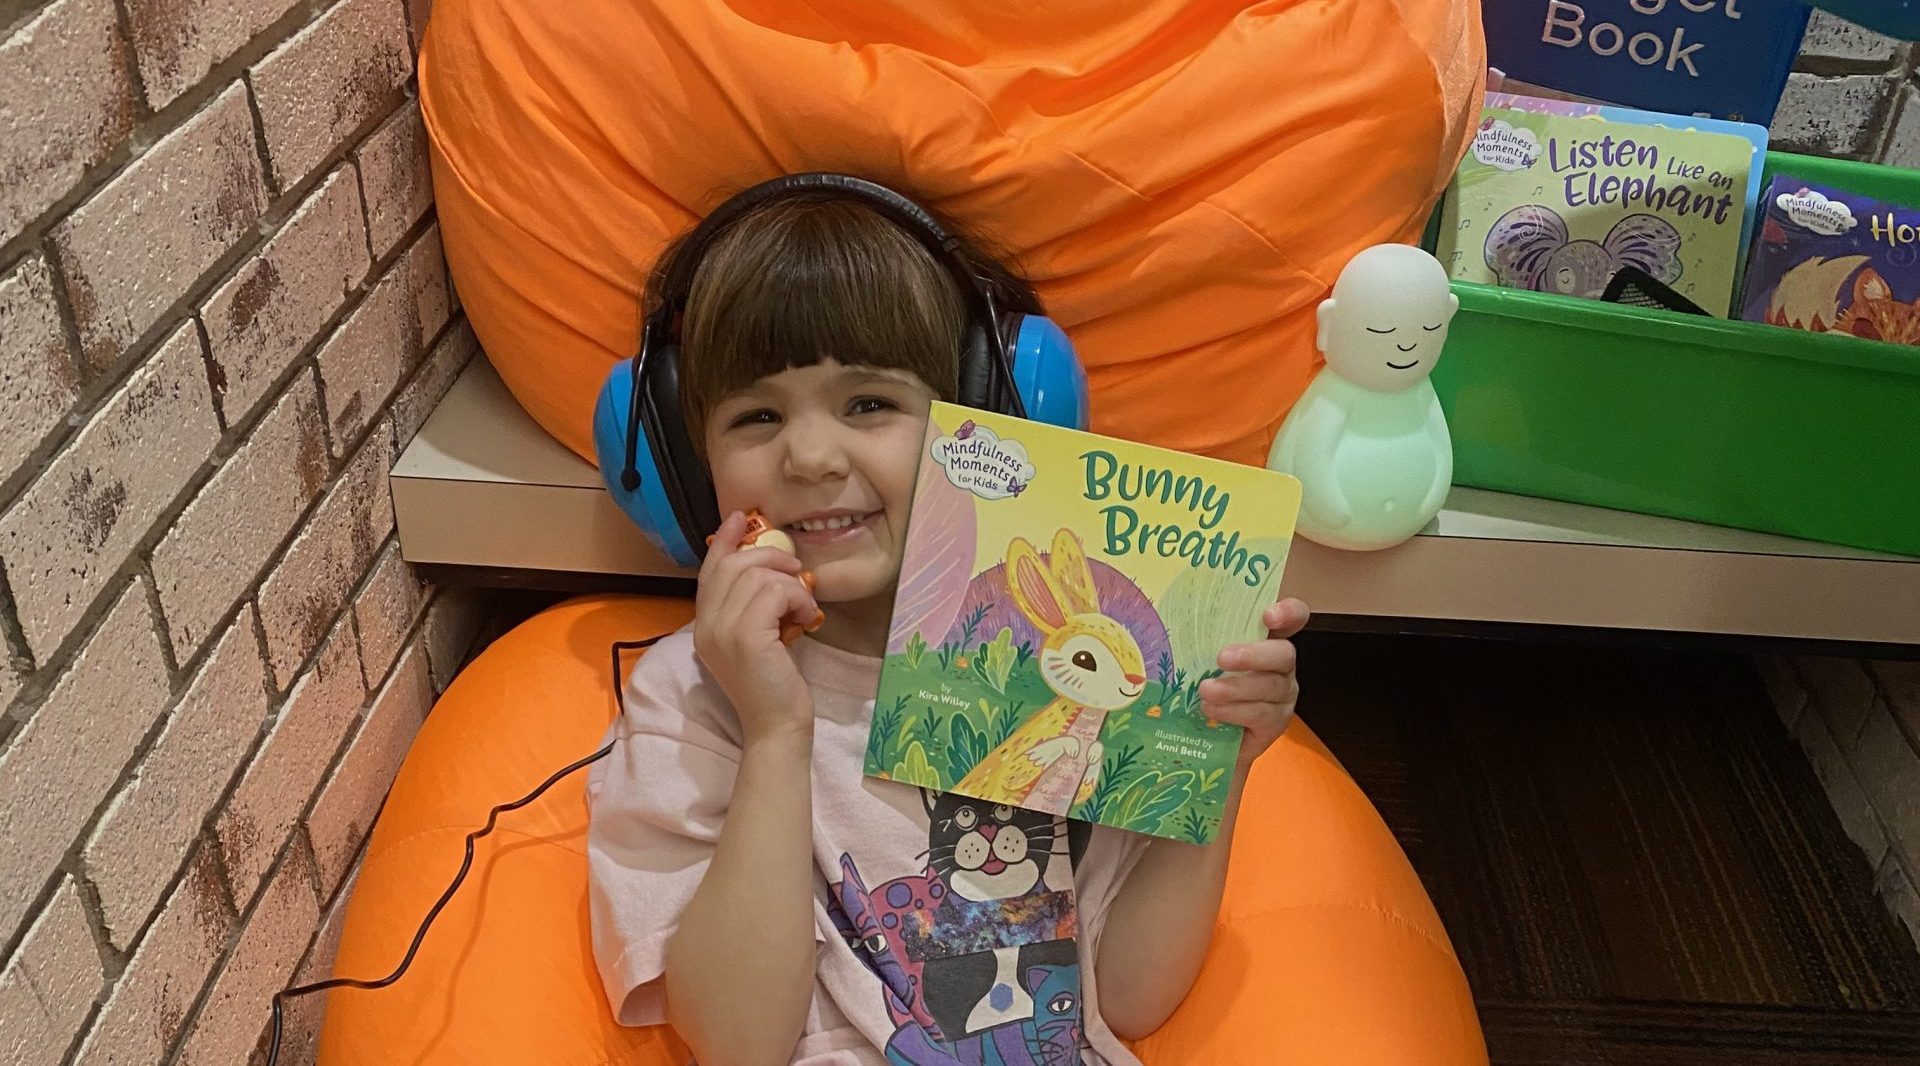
<point x="279" y="998"/>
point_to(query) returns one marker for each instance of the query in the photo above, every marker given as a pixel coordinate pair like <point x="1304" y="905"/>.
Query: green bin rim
<point x="1675" y="328"/>
<point x="1732" y="334"/>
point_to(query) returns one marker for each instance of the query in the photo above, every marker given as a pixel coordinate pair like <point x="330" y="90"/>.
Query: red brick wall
<point x="223" y="311"/>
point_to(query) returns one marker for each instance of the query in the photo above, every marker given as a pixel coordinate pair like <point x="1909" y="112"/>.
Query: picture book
<point x="1061" y="597"/>
<point x="1559" y="203"/>
<point x="1754" y="134"/>
<point x="1827" y="260"/>
<point x="1720" y="58"/>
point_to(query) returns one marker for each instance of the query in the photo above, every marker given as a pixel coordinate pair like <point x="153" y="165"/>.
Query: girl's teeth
<point x="817" y="525"/>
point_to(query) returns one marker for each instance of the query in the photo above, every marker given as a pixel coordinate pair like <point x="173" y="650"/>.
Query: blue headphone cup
<point x="647" y="505"/>
<point x="1052" y="383"/>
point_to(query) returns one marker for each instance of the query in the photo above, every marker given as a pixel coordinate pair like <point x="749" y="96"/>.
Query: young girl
<point x="749" y="885"/>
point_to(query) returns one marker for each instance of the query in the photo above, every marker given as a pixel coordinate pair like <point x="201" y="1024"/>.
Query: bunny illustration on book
<point x="1089" y="660"/>
<point x="1528" y="248"/>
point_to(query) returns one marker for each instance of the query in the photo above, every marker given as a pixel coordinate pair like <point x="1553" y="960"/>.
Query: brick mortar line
<point x="408" y="238"/>
<point x="155" y="125"/>
<point x="40" y="683"/>
<point x="71" y="858"/>
<point x="113" y="965"/>
<point x="41" y="680"/>
<point x="70" y="424"/>
<point x="157" y="617"/>
<point x="1897" y="105"/>
<point x="1848" y="749"/>
<point x="1887" y="119"/>
<point x="13" y="640"/>
<point x="114" y="962"/>
<point x="15" y="14"/>
<point x="269" y="174"/>
<point x="304" y="843"/>
<point x="252" y="595"/>
<point x="136" y="81"/>
<point x="137" y="353"/>
<point x="281" y="206"/>
<point x="1844" y="66"/>
<point x="297" y="838"/>
<point x="287" y="201"/>
<point x="413" y="623"/>
<point x="1892" y="861"/>
<point x="366" y="210"/>
<point x="242" y="918"/>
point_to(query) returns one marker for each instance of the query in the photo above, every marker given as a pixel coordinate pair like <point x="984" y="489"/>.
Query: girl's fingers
<point x="1267" y="656"/>
<point x="723" y="541"/>
<point x="1287" y="617"/>
<point x="737" y="600"/>
<point x="769" y="607"/>
<point x="1263" y="720"/>
<point x="1249" y="688"/>
<point x="738" y="563"/>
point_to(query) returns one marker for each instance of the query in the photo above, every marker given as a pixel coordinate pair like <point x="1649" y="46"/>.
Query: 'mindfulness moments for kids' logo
<point x="1813" y="210"/>
<point x="1499" y="144"/>
<point x="976" y="459"/>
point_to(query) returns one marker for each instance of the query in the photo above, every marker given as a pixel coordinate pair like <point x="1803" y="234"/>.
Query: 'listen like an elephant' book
<point x="1559" y="203"/>
<point x="1062" y="595"/>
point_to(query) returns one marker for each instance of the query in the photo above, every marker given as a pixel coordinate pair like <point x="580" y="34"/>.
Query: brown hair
<point x="798" y="281"/>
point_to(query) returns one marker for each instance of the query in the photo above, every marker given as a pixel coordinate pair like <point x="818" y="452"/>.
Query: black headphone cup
<point x="682" y="473"/>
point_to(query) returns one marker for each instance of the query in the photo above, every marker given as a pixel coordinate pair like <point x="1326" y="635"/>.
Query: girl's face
<point x="827" y="453"/>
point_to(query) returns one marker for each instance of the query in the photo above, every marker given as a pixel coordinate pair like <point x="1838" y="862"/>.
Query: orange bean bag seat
<point x="1183" y="179"/>
<point x="1328" y="950"/>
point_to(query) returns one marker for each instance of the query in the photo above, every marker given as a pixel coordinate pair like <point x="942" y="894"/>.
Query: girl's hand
<point x="744" y="594"/>
<point x="1260" y="689"/>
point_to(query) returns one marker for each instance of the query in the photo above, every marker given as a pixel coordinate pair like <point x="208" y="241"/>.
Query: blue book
<point x="1726" y="59"/>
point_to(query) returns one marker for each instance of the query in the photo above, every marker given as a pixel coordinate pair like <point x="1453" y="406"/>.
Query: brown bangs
<point x="799" y="282"/>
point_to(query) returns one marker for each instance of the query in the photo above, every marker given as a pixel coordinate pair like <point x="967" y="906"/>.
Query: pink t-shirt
<point x="949" y="930"/>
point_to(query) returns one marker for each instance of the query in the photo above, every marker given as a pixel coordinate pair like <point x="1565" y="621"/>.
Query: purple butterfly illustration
<point x="965" y="430"/>
<point x="1015" y="486"/>
<point x="1528" y="248"/>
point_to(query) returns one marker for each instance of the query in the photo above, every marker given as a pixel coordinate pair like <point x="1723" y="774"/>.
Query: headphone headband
<point x="904" y="213"/>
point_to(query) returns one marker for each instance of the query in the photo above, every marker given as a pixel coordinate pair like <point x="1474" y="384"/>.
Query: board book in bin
<point x="1061" y="597"/>
<point x="1829" y="260"/>
<point x="1560" y="203"/>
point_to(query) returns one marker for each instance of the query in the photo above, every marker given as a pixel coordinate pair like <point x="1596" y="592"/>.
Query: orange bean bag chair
<point x="1327" y="952"/>
<point x="1183" y="179"/>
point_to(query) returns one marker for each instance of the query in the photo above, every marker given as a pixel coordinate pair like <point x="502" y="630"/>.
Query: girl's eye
<point x="867" y="405"/>
<point x="760" y="416"/>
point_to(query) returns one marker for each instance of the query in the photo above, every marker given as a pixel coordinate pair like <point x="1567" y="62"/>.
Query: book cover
<point x="1754" y="134"/>
<point x="1827" y="260"/>
<point x="1721" y="58"/>
<point x="1062" y="595"/>
<point x="1559" y="204"/>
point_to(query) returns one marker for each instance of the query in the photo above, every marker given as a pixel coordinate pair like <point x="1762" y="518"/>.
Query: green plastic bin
<point x="1740" y="424"/>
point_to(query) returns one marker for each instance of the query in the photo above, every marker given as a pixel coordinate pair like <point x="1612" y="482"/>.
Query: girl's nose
<point x="813" y="453"/>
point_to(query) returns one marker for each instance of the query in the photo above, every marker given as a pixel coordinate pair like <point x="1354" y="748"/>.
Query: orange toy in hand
<point x="761" y="534"/>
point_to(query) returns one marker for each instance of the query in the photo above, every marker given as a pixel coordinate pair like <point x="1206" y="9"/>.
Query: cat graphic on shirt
<point x="976" y="945"/>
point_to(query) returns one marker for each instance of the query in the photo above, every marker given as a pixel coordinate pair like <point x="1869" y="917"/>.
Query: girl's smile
<point x="828" y="453"/>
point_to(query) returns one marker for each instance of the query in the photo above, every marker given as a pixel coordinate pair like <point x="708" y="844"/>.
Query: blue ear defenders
<point x="1010" y="363"/>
